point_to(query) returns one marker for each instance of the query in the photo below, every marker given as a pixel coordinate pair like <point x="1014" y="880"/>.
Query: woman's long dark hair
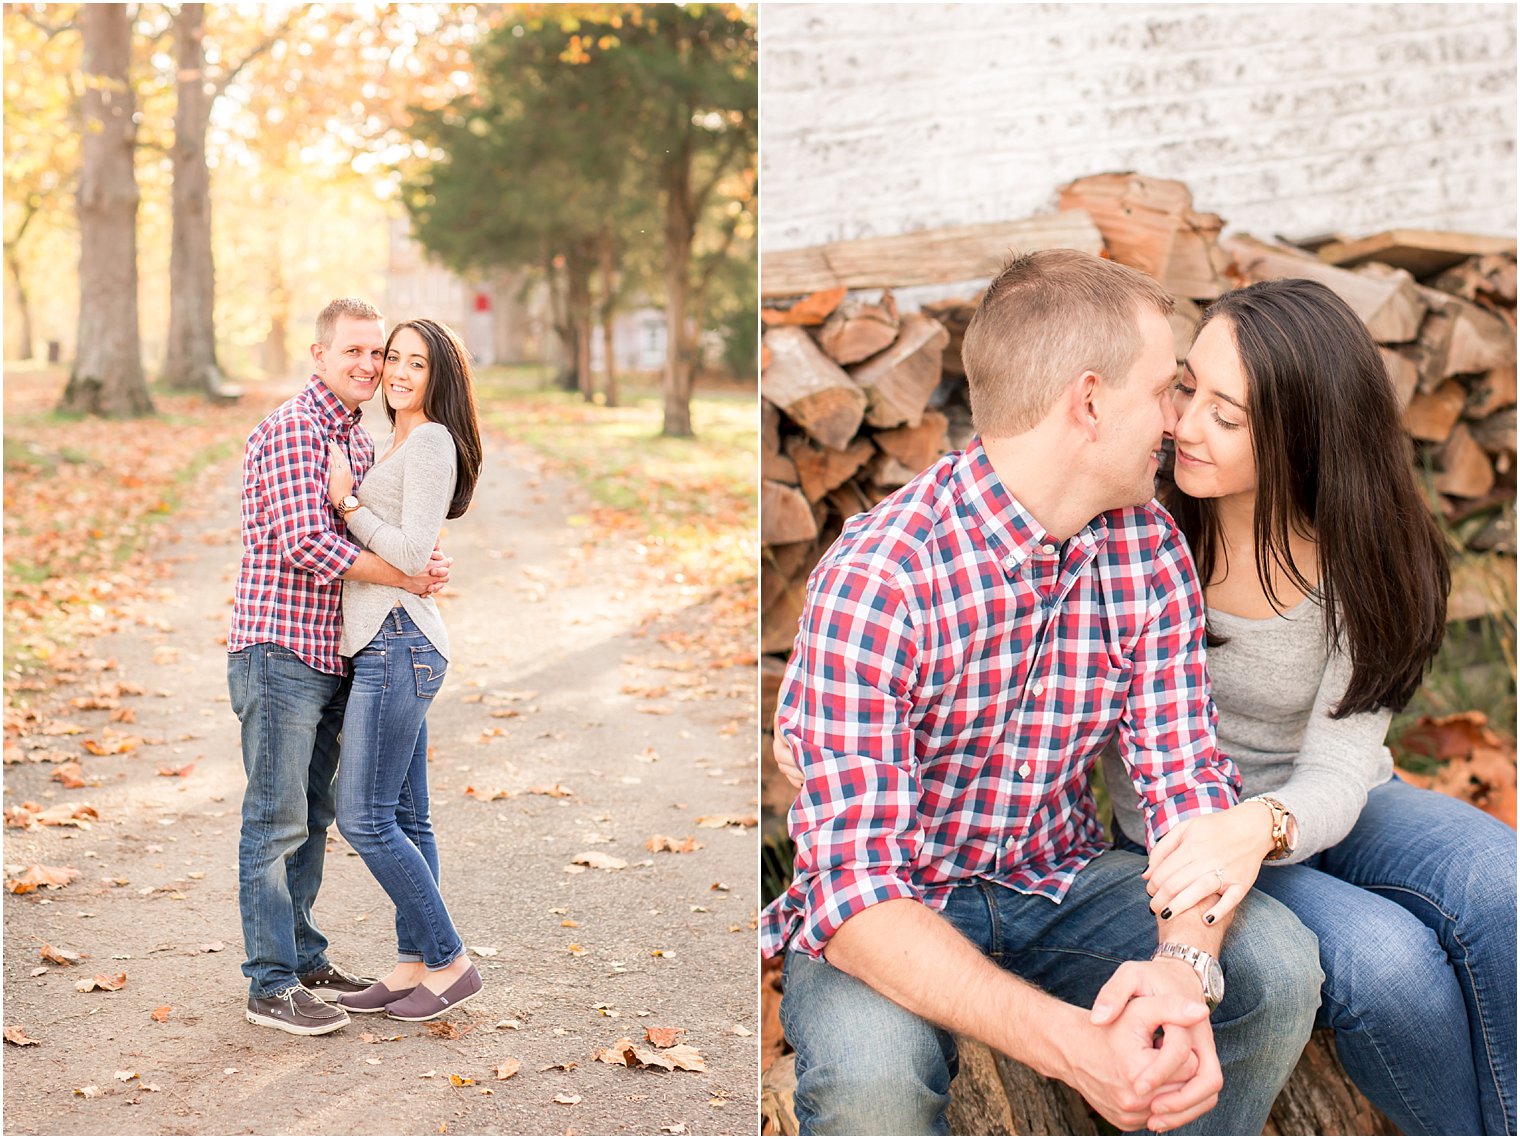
<point x="1330" y="451"/>
<point x="449" y="399"/>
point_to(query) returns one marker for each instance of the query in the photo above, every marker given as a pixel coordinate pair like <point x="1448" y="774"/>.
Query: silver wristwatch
<point x="1210" y="975"/>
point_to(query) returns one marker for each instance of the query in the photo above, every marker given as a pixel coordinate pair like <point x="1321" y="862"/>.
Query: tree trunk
<point x="275" y="352"/>
<point x="609" y="312"/>
<point x="564" y="322"/>
<point x="680" y="224"/>
<point x="107" y="378"/>
<point x="190" y="362"/>
<point x="30" y="209"/>
<point x="582" y="319"/>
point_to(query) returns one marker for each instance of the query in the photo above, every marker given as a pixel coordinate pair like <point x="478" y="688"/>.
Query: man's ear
<point x="1082" y="399"/>
<point x="319" y="358"/>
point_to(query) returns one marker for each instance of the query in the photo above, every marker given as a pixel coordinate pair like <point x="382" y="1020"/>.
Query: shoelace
<point x="286" y="994"/>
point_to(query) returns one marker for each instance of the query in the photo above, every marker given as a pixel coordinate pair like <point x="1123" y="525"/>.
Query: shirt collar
<point x="1011" y="532"/>
<point x="338" y="419"/>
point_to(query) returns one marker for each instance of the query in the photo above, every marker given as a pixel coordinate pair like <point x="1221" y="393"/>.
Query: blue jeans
<point x="1415" y="913"/>
<point x="291" y="716"/>
<point x="382" y="785"/>
<point x="867" y="1066"/>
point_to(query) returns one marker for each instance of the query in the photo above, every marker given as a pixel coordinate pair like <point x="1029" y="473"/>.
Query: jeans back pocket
<point x="428" y="666"/>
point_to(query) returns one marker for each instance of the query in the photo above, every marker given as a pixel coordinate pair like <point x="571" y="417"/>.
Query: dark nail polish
<point x="1208" y="919"/>
<point x="1166" y="913"/>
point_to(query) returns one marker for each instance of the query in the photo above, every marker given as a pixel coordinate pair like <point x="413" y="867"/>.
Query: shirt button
<point x="1047" y="548"/>
<point x="1038" y="689"/>
<point x="1024" y="770"/>
<point x="1011" y="843"/>
<point x="1010" y="563"/>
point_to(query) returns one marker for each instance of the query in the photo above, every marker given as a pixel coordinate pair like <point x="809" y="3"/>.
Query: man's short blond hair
<point x="1047" y="318"/>
<point x="327" y="319"/>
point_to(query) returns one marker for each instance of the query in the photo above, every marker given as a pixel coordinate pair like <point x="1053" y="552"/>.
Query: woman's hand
<point x="340" y="477"/>
<point x="783" y="757"/>
<point x="1219" y="854"/>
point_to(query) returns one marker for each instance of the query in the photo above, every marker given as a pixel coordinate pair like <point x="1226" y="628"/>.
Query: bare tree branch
<point x="29" y="14"/>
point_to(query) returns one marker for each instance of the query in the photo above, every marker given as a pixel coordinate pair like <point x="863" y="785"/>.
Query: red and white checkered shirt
<point x="295" y="549"/>
<point x="955" y="675"/>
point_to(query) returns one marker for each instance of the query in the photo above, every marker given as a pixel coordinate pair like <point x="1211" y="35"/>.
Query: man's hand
<point x="1130" y="1077"/>
<point x="1191" y="1087"/>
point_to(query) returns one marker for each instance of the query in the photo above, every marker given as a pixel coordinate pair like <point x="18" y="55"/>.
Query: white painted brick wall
<point x="1286" y="119"/>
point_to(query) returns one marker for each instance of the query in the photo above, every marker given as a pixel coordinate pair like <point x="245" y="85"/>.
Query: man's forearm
<point x="375" y="570"/>
<point x="916" y="958"/>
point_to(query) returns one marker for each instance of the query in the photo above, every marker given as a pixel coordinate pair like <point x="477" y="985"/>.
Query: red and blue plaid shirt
<point x="955" y="675"/>
<point x="295" y="549"/>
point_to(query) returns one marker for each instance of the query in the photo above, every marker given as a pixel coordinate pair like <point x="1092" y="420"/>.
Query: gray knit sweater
<point x="403" y="501"/>
<point x="1275" y="685"/>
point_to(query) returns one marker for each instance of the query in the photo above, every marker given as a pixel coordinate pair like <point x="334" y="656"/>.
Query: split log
<point x="812" y="309"/>
<point x="785" y="514"/>
<point x="859" y="328"/>
<point x="1465" y="470"/>
<point x="778" y="620"/>
<point x="1150" y="224"/>
<point x="821" y="469"/>
<point x="1403" y="374"/>
<point x="1432" y="415"/>
<point x="793" y="560"/>
<point x="917" y="447"/>
<point x="1320" y="1099"/>
<point x="1490" y="279"/>
<point x="899" y="381"/>
<point x="772" y="669"/>
<point x="850" y="499"/>
<point x="928" y="257"/>
<point x="816" y="393"/>
<point x="955" y="315"/>
<point x="1480" y="341"/>
<point x="1184" y="319"/>
<point x="1390" y="306"/>
<point x="1481" y="587"/>
<point x="1492" y="392"/>
<point x="1421" y="252"/>
<point x="1496" y="434"/>
<point x="778" y="468"/>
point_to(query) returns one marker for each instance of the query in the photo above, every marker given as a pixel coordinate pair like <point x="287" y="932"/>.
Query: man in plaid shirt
<point x="287" y="682"/>
<point x="967" y="648"/>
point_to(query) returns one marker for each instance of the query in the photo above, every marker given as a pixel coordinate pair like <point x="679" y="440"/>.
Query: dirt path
<point x="558" y="678"/>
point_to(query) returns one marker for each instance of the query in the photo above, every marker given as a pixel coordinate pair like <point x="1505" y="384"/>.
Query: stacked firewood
<point x="859" y="396"/>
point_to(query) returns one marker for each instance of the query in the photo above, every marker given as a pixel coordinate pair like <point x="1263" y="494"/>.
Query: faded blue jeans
<point x="291" y="716"/>
<point x="382" y="785"/>
<point x="1415" y="912"/>
<point x="867" y="1066"/>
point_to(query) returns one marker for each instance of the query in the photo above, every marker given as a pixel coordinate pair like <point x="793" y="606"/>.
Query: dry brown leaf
<point x="1446" y="737"/>
<point x="576" y="949"/>
<point x="21" y="817"/>
<point x="68" y="815"/>
<point x="447" y="1030"/>
<point x="508" y="1068"/>
<point x="210" y="947"/>
<point x="103" y="982"/>
<point x="1486" y="779"/>
<point x="598" y="861"/>
<point x="486" y="796"/>
<point x="113" y="745"/>
<point x="60" y="956"/>
<point x="460" y="1081"/>
<point x="16" y="1034"/>
<point x="176" y="772"/>
<point x="567" y="1066"/>
<point x="685" y="1057"/>
<point x="161" y="1013"/>
<point x="727" y="821"/>
<point x="663" y="1037"/>
<point x="554" y="790"/>
<point x="71" y="775"/>
<point x="659" y="842"/>
<point x="23" y="880"/>
<point x="90" y="1091"/>
<point x="570" y="1099"/>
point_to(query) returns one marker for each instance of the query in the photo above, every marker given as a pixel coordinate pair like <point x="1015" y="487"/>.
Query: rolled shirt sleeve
<point x="299" y="516"/>
<point x="1166" y="731"/>
<point x="843" y="707"/>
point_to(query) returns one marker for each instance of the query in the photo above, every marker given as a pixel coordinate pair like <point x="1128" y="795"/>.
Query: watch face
<point x="1214" y="982"/>
<point x="1291" y="832"/>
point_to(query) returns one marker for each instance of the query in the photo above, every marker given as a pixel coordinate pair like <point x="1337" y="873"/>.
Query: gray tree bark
<point x="107" y="378"/>
<point x="190" y="361"/>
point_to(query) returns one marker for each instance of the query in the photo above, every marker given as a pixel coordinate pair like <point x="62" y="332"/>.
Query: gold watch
<point x="1284" y="828"/>
<point x="347" y="505"/>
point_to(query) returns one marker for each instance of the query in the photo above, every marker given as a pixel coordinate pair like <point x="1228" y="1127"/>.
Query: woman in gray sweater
<point x="425" y="473"/>
<point x="1326" y="581"/>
